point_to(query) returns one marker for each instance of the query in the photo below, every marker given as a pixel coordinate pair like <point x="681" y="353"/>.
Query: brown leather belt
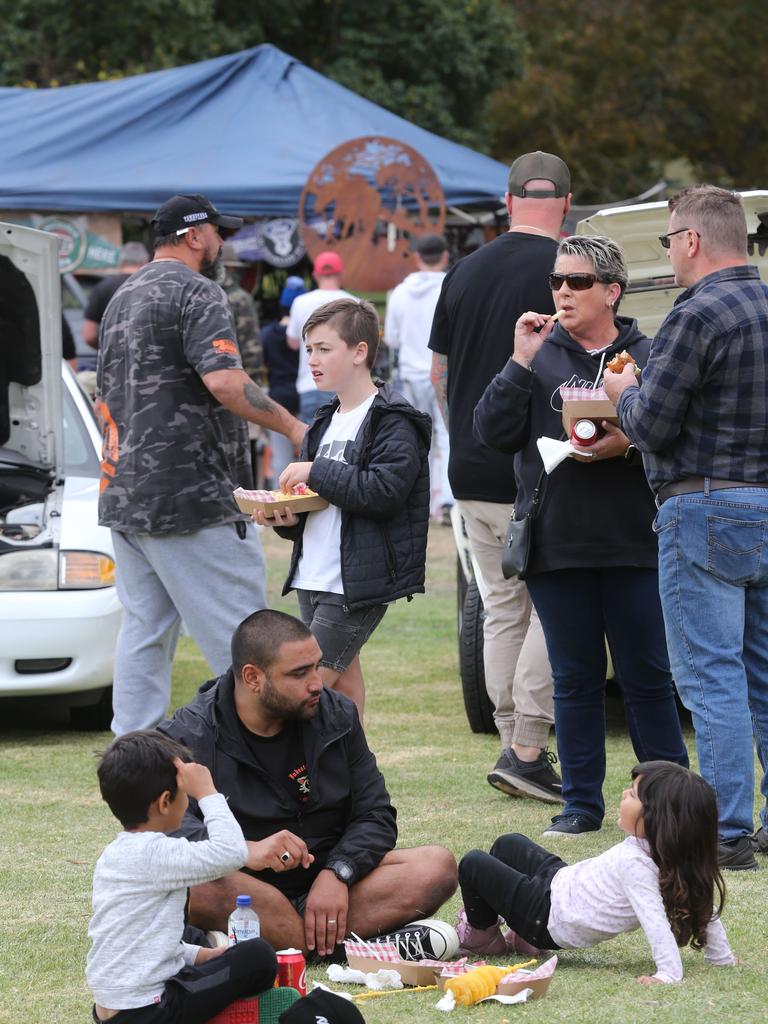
<point x="694" y="484"/>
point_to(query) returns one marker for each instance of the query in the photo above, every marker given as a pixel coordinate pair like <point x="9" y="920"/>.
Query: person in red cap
<point x="327" y="270"/>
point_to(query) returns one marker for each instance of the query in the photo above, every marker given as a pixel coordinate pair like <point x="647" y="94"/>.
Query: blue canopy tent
<point x="245" y="129"/>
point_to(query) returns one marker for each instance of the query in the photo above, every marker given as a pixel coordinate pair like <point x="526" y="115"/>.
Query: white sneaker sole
<point x="516" y="786"/>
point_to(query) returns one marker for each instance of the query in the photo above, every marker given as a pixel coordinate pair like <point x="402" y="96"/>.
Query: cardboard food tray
<point x="295" y="502"/>
<point x="587" y="409"/>
<point x="511" y="988"/>
<point x="410" y="973"/>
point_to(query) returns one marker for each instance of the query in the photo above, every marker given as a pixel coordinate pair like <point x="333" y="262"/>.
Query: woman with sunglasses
<point x="593" y="569"/>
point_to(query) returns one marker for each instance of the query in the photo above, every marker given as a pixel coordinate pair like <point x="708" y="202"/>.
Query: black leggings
<point x="196" y="994"/>
<point x="513" y="880"/>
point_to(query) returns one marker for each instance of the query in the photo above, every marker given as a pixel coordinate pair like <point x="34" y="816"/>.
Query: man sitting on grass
<point x="138" y="962"/>
<point x="292" y="759"/>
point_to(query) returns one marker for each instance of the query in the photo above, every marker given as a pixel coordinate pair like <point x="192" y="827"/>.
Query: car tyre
<point x="477" y="703"/>
<point x="93" y="717"/>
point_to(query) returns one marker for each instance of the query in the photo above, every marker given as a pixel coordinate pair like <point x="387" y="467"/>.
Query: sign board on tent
<point x="367" y="200"/>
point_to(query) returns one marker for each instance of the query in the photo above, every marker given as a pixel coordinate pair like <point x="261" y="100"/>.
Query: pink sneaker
<point x="486" y="941"/>
<point x="517" y="945"/>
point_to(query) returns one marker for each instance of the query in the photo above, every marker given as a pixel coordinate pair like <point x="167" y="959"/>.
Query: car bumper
<point x="81" y="626"/>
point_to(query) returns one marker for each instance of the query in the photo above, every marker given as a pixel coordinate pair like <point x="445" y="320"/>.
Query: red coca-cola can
<point x="291" y="970"/>
<point x="584" y="433"/>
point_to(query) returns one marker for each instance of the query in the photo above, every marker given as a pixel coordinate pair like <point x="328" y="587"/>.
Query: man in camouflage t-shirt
<point x="173" y="398"/>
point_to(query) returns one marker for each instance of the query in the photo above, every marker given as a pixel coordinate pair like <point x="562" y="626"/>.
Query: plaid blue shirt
<point x="702" y="408"/>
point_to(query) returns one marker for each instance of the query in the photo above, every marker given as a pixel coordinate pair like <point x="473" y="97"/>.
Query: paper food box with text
<point x="586" y="404"/>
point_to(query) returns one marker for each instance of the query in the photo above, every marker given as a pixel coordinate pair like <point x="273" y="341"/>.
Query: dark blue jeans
<point x="578" y="609"/>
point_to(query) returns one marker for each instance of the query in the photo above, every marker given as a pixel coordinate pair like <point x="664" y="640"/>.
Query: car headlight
<point x="49" y="569"/>
<point x="85" y="570"/>
<point x="29" y="570"/>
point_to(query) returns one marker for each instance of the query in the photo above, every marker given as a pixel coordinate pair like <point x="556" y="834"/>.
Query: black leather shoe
<point x="736" y="855"/>
<point x="759" y="841"/>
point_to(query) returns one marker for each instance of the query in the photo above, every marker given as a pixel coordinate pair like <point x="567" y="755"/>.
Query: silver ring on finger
<point x="285" y="856"/>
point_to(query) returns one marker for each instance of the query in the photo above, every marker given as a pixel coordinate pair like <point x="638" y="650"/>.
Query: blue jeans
<point x="578" y="609"/>
<point x="713" y="578"/>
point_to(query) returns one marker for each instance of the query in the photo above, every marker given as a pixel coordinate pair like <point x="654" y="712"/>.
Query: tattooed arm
<point x="235" y="390"/>
<point x="439" y="378"/>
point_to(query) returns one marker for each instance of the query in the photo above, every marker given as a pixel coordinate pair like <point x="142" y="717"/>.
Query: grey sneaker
<point x="528" y="778"/>
<point x="571" y="825"/>
<point x="759" y="841"/>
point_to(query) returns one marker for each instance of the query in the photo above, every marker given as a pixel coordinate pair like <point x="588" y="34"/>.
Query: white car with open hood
<point x="59" y="612"/>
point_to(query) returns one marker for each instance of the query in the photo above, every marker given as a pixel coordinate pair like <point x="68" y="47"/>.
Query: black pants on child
<point x="197" y="993"/>
<point x="513" y="880"/>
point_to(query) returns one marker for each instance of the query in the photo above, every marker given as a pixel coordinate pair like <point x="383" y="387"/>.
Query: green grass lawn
<point x="53" y="827"/>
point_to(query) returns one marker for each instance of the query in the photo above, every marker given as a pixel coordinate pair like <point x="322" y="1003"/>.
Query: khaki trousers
<point x="517" y="673"/>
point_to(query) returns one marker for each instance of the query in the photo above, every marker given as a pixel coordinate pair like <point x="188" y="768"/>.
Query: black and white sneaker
<point x="571" y="825"/>
<point x="428" y="939"/>
<point x="528" y="778"/>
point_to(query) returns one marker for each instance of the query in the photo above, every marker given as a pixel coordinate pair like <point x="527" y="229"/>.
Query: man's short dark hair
<point x="354" y="320"/>
<point x="135" y="769"/>
<point x="258" y="638"/>
<point x="716" y="214"/>
<point x="430" y="249"/>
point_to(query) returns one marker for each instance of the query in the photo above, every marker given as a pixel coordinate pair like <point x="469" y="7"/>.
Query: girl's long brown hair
<point x="680" y="825"/>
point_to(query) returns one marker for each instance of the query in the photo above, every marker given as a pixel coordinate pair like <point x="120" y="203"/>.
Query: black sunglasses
<point x="576" y="282"/>
<point x="664" y="239"/>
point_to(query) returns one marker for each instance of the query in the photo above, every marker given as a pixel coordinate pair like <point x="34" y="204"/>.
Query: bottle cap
<point x="243" y="901"/>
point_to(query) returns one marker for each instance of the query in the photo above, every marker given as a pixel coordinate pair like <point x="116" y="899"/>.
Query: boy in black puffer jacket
<point x="366" y="454"/>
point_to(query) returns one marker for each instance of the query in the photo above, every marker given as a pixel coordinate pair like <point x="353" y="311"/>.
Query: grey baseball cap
<point x="539" y="165"/>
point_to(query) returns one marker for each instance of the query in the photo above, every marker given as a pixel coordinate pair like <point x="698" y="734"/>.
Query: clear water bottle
<point x="243" y="922"/>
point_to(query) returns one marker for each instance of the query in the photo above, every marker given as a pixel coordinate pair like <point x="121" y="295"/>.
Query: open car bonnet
<point x="652" y="290"/>
<point x="31" y="427"/>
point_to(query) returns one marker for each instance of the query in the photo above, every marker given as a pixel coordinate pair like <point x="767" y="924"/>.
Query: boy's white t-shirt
<point x="319" y="567"/>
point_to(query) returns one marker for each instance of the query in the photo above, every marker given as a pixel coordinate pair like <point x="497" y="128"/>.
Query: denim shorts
<point x="340" y="633"/>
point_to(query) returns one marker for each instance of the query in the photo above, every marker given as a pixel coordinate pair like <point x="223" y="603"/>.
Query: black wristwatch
<point x="630" y="454"/>
<point x="343" y="871"/>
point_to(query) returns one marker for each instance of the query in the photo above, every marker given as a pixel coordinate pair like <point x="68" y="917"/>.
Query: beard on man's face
<point x="212" y="268"/>
<point x="276" y="704"/>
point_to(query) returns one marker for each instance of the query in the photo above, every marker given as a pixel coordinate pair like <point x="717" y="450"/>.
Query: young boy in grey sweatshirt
<point x="138" y="967"/>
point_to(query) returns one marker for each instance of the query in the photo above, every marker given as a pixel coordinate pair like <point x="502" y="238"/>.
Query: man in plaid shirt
<point x="701" y="420"/>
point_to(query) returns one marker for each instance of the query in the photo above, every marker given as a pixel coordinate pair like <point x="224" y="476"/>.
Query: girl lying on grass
<point x="663" y="878"/>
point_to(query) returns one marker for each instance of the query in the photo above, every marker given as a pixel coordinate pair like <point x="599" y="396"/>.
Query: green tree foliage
<point x="434" y="62"/>
<point x="592" y="91"/>
<point x="619" y="88"/>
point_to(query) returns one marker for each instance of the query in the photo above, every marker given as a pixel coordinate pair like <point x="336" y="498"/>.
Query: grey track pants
<point x="212" y="579"/>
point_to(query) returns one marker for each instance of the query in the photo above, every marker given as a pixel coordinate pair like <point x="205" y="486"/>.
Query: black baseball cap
<point x="539" y="165"/>
<point x="187" y="211"/>
<point x="322" y="1004"/>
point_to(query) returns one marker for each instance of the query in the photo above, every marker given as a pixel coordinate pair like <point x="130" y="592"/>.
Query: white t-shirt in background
<point x="320" y="563"/>
<point x="301" y="308"/>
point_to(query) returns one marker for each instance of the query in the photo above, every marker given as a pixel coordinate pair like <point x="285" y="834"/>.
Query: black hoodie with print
<point x="591" y="514"/>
